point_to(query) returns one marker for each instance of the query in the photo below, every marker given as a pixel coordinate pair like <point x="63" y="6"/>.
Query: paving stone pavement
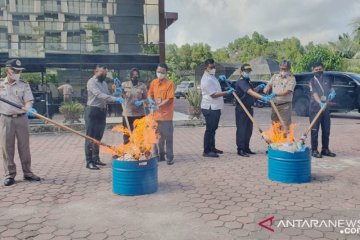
<point x="198" y="198"/>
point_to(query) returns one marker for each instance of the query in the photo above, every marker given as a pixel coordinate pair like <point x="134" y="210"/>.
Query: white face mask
<point x="212" y="71"/>
<point x="283" y="74"/>
<point x="15" y="76"/>
<point x="160" y="76"/>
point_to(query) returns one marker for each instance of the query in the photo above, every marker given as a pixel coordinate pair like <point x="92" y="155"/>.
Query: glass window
<point x="151" y="14"/>
<point x="151" y="34"/>
<point x="342" y="80"/>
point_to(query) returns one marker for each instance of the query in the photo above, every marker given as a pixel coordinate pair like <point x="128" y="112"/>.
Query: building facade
<point x="81" y="33"/>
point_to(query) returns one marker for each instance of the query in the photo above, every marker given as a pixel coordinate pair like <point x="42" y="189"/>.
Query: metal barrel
<point x="288" y="167"/>
<point x="135" y="177"/>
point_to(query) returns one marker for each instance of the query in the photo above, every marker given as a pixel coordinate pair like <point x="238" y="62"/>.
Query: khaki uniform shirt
<point x="66" y="88"/>
<point x="18" y="92"/>
<point x="133" y="94"/>
<point x="280" y="84"/>
<point x="98" y="93"/>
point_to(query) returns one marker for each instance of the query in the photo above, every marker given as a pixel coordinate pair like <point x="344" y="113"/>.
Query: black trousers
<point x="244" y="127"/>
<point x="131" y="123"/>
<point x="324" y="121"/>
<point x="212" y="118"/>
<point x="166" y="131"/>
<point x="95" y="122"/>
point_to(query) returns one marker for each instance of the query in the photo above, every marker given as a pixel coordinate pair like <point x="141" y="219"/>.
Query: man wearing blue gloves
<point x="95" y="114"/>
<point x="248" y="95"/>
<point x="282" y="85"/>
<point x="211" y="104"/>
<point x="321" y="93"/>
<point x="14" y="122"/>
<point x="135" y="94"/>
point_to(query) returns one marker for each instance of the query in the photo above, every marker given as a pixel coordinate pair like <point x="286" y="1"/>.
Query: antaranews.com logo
<point x="344" y="226"/>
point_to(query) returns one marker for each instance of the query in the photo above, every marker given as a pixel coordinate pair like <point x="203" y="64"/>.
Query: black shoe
<point x="32" y="178"/>
<point x="9" y="181"/>
<point x="316" y="154"/>
<point x="326" y="152"/>
<point x="218" y="151"/>
<point x="100" y="163"/>
<point x="249" y="151"/>
<point x="92" y="166"/>
<point x="161" y="157"/>
<point x="170" y="162"/>
<point x="210" y="154"/>
<point x="243" y="153"/>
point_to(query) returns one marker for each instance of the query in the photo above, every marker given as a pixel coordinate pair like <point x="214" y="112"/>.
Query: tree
<point x="221" y="55"/>
<point x="331" y="60"/>
<point x="346" y="46"/>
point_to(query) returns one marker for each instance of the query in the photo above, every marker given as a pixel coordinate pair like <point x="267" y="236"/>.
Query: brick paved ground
<point x="198" y="198"/>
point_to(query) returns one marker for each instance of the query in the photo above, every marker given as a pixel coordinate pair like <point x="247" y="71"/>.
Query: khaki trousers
<point x="285" y="112"/>
<point x="11" y="128"/>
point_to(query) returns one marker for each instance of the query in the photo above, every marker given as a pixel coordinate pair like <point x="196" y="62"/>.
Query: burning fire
<point x="141" y="139"/>
<point x="275" y="135"/>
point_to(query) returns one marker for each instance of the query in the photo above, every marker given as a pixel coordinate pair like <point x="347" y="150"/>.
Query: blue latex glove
<point x="322" y="104"/>
<point x="153" y="108"/>
<point x="119" y="100"/>
<point x="118" y="90"/>
<point x="230" y="90"/>
<point x="117" y="82"/>
<point x="261" y="86"/>
<point x="271" y="96"/>
<point x="138" y="103"/>
<point x="222" y="78"/>
<point x="30" y="112"/>
<point x="266" y="98"/>
<point x="151" y="102"/>
<point x="332" y="95"/>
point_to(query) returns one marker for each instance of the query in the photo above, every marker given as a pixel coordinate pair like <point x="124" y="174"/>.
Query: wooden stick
<point x="276" y="110"/>
<point x="313" y="123"/>
<point x="56" y="123"/>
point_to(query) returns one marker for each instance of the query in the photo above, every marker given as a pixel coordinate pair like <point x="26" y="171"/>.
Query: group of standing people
<point x="134" y="97"/>
<point x="281" y="86"/>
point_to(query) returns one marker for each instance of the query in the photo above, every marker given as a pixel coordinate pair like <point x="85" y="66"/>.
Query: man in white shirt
<point x="211" y="105"/>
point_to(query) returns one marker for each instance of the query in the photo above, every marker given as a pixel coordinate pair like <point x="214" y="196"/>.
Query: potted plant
<point x="72" y="111"/>
<point x="193" y="97"/>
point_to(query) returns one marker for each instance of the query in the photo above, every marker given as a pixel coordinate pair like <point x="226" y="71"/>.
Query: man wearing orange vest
<point x="161" y="97"/>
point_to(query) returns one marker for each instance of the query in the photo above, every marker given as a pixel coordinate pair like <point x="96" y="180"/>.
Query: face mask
<point x="101" y="78"/>
<point x="318" y="74"/>
<point x="246" y="75"/>
<point x="160" y="76"/>
<point x="15" y="76"/>
<point x="212" y="71"/>
<point x="134" y="80"/>
<point x="283" y="74"/>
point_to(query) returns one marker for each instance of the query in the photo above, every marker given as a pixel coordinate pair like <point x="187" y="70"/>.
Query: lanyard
<point x="322" y="89"/>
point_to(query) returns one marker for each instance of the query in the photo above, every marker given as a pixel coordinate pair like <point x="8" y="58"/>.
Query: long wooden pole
<point x="276" y="110"/>
<point x="248" y="114"/>
<point x="303" y="137"/>
<point x="57" y="124"/>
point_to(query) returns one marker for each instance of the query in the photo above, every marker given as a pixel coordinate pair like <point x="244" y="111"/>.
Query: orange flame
<point x="141" y="139"/>
<point x="276" y="135"/>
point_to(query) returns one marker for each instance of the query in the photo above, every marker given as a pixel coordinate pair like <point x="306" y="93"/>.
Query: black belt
<point x="282" y="103"/>
<point x="13" y="115"/>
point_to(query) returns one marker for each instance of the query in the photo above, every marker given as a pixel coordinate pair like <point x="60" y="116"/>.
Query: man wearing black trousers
<point x="248" y="96"/>
<point x="95" y="114"/>
<point x="211" y="104"/>
<point x="321" y="92"/>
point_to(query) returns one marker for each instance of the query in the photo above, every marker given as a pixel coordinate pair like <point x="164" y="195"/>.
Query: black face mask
<point x="318" y="74"/>
<point x="134" y="80"/>
<point x="101" y="78"/>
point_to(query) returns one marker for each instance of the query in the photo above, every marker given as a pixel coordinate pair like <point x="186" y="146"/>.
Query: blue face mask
<point x="246" y="75"/>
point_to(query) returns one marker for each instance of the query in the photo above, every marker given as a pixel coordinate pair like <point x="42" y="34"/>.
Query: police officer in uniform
<point x="14" y="122"/>
<point x="321" y="92"/>
<point x="95" y="114"/>
<point x="248" y="96"/>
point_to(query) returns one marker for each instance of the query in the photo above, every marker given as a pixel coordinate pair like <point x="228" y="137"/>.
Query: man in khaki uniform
<point x="282" y="86"/>
<point x="14" y="122"/>
<point x="135" y="94"/>
<point x="67" y="91"/>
